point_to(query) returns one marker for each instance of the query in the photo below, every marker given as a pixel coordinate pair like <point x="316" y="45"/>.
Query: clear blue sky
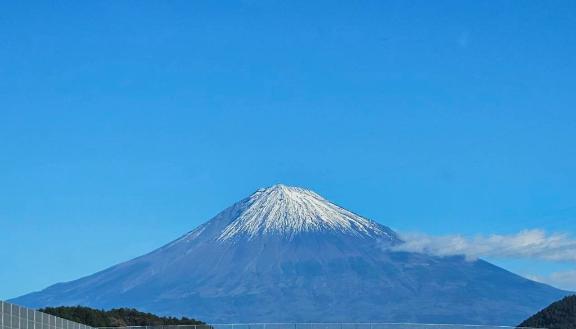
<point x="124" y="124"/>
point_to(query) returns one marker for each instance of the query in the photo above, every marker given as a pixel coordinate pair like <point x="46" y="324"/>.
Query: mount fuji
<point x="285" y="254"/>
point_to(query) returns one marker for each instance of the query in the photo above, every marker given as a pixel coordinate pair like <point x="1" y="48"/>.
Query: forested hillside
<point x="119" y="317"/>
<point x="559" y="315"/>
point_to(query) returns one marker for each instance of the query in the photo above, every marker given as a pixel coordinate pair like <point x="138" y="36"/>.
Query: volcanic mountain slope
<point x="285" y="254"/>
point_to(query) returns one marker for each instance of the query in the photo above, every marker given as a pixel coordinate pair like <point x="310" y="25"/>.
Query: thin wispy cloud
<point x="564" y="280"/>
<point x="528" y="244"/>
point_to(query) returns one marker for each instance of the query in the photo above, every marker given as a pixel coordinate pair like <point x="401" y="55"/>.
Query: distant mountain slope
<point x="285" y="254"/>
<point x="559" y="315"/>
<point x="121" y="317"/>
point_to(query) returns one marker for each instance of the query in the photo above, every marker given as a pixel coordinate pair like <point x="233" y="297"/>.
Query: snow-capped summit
<point x="286" y="210"/>
<point x="286" y="254"/>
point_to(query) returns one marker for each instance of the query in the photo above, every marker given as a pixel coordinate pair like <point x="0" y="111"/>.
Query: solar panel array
<point x="18" y="317"/>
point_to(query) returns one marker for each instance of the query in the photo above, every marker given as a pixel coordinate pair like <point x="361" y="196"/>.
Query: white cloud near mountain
<point x="564" y="280"/>
<point x="528" y="244"/>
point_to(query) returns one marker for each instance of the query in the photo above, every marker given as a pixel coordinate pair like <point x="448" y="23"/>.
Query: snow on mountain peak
<point x="286" y="210"/>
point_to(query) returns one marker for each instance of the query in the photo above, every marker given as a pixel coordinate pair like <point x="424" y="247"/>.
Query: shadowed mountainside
<point x="559" y="315"/>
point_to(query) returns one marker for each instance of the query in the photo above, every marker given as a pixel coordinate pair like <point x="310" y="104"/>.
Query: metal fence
<point x="324" y="326"/>
<point x="18" y="317"/>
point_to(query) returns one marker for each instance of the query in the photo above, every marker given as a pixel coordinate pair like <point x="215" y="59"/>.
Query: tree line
<point x="559" y="315"/>
<point x="117" y="317"/>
